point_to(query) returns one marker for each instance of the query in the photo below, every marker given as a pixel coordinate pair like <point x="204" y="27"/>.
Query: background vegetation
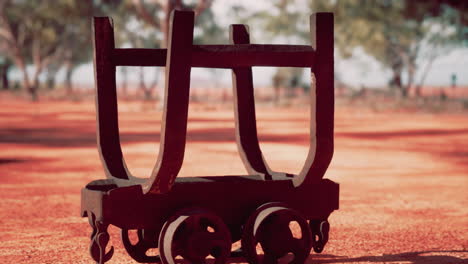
<point x="40" y="38"/>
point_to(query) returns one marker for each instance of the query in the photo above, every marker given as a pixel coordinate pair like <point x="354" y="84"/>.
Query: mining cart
<point x="198" y="218"/>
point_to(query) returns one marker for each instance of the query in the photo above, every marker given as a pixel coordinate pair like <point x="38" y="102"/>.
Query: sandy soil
<point x="403" y="176"/>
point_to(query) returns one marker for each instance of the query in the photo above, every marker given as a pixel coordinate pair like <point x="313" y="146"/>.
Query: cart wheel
<point x="269" y="225"/>
<point x="146" y="239"/>
<point x="194" y="234"/>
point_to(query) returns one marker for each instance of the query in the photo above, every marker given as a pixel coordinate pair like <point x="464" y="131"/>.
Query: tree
<point x="5" y="65"/>
<point x="210" y="33"/>
<point x="159" y="17"/>
<point x="448" y="16"/>
<point x="30" y="38"/>
<point x="47" y="35"/>
<point x="79" y="36"/>
<point x="136" y="33"/>
<point x="396" y="33"/>
<point x="148" y="41"/>
<point x="284" y="22"/>
<point x="279" y="80"/>
<point x="76" y="42"/>
<point x="151" y="13"/>
<point x="145" y="24"/>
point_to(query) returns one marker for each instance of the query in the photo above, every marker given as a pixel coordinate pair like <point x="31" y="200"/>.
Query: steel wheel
<point x="194" y="234"/>
<point x="269" y="225"/>
<point x="146" y="239"/>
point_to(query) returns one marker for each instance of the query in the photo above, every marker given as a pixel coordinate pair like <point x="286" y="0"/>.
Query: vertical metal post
<point x="176" y="101"/>
<point x="244" y="109"/>
<point x="106" y="100"/>
<point x="322" y="101"/>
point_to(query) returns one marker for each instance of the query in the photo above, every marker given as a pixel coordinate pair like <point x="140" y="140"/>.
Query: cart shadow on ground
<point x="419" y="257"/>
<point x="11" y="160"/>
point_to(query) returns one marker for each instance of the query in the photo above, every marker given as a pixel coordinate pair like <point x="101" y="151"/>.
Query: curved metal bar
<point x="244" y="109"/>
<point x="322" y="97"/>
<point x="176" y="100"/>
<point x="108" y="138"/>
<point x="174" y="123"/>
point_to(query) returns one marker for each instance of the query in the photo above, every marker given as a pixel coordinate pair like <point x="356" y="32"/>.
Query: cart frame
<point x="135" y="203"/>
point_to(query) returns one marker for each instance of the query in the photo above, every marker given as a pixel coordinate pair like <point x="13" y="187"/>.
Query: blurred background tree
<point x="396" y="33"/>
<point x="5" y="65"/>
<point x="403" y="36"/>
<point x="145" y="24"/>
<point x="284" y="22"/>
<point x="56" y="35"/>
<point x="157" y="13"/>
<point x="34" y="38"/>
<point x="46" y="38"/>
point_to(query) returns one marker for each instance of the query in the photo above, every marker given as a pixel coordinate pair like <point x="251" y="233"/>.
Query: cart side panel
<point x="232" y="198"/>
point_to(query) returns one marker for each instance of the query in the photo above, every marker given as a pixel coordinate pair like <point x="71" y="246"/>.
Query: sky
<point x="360" y="70"/>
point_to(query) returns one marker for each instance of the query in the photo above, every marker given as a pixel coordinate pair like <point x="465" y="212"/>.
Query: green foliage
<point x="133" y="30"/>
<point x="34" y="26"/>
<point x="285" y="22"/>
<point x="43" y="28"/>
<point x="396" y="33"/>
<point x="451" y="12"/>
<point x="207" y="31"/>
<point x="47" y="34"/>
<point x="130" y="30"/>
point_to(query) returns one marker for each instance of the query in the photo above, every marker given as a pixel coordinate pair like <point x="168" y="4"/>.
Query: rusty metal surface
<point x="222" y="56"/>
<point x="322" y="97"/>
<point x="176" y="100"/>
<point x="269" y="226"/>
<point x="162" y="205"/>
<point x="194" y="234"/>
<point x="244" y="110"/>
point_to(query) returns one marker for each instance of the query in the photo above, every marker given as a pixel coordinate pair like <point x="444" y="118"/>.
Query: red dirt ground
<point x="403" y="176"/>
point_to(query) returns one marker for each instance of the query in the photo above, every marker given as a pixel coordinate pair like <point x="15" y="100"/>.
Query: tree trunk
<point x="50" y="80"/>
<point x="146" y="90"/>
<point x="124" y="84"/>
<point x="69" y="69"/>
<point x="411" y="72"/>
<point x="148" y="95"/>
<point x="277" y="90"/>
<point x="397" y="83"/>
<point x="50" y="76"/>
<point x="34" y="87"/>
<point x="154" y="84"/>
<point x="33" y="90"/>
<point x="404" y="91"/>
<point x="424" y="76"/>
<point x="4" y="72"/>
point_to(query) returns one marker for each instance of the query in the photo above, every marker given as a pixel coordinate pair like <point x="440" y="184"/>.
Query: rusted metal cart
<point x="200" y="216"/>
